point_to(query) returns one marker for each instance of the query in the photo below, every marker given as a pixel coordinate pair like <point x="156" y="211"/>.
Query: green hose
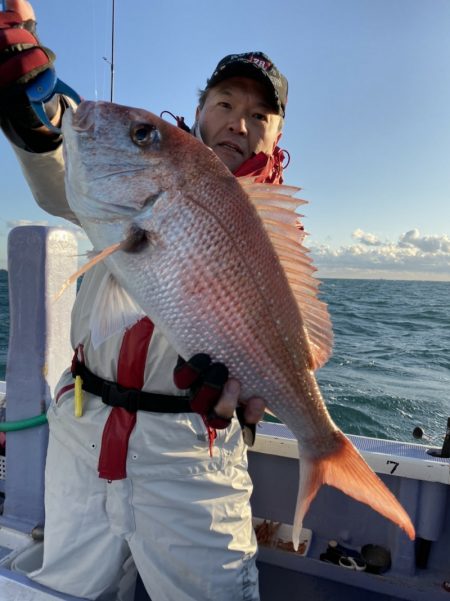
<point x="39" y="420"/>
<point x="23" y="424"/>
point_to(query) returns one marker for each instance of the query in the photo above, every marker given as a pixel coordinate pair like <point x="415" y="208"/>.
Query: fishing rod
<point x="113" y="23"/>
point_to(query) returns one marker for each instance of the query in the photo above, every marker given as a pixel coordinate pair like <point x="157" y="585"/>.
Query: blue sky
<point x="368" y="117"/>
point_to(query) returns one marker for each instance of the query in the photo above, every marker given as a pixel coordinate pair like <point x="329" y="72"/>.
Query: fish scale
<point x="221" y="271"/>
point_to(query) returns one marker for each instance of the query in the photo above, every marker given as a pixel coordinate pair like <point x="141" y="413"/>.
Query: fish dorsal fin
<point x="113" y="311"/>
<point x="276" y="206"/>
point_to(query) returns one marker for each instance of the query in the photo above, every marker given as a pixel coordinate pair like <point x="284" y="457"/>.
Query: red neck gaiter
<point x="266" y="169"/>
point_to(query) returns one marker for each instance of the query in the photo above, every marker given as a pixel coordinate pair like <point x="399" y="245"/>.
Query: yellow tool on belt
<point x="78" y="396"/>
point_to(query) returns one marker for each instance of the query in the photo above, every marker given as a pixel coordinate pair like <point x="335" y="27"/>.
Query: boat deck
<point x="418" y="479"/>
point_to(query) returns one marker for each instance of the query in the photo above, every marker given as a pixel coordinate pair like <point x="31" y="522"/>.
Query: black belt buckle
<point x="114" y="396"/>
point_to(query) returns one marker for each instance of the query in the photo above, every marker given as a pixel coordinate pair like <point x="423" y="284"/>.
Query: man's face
<point x="237" y="121"/>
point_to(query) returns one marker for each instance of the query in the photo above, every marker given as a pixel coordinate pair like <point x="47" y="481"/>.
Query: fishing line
<point x="94" y="31"/>
<point x="104" y="56"/>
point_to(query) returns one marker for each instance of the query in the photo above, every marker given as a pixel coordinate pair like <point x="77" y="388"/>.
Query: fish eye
<point x="144" y="134"/>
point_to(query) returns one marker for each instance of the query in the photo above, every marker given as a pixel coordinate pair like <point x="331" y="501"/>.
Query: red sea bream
<point x="219" y="267"/>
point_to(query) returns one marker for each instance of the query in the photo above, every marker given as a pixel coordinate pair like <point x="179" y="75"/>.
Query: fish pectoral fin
<point x="113" y="311"/>
<point x="346" y="470"/>
<point x="94" y="258"/>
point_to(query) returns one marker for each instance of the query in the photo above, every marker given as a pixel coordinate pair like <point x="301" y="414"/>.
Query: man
<point x="169" y="486"/>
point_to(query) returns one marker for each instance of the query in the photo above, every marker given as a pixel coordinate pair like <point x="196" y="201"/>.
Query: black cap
<point x="256" y="65"/>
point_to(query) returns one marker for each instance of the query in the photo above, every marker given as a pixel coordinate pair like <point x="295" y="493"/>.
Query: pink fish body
<point x="218" y="265"/>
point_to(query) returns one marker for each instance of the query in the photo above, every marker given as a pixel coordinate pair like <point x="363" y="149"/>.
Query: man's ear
<point x="197" y="113"/>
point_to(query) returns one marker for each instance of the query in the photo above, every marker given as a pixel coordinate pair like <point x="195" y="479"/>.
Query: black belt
<point x="137" y="400"/>
<point x="130" y="399"/>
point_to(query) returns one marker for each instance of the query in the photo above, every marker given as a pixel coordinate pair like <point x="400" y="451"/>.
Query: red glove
<point x="205" y="381"/>
<point x="21" y="55"/>
<point x="21" y="59"/>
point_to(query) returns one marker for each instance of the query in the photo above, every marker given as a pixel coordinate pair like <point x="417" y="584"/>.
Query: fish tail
<point x="346" y="470"/>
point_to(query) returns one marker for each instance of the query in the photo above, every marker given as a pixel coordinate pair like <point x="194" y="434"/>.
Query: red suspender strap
<point x="120" y="423"/>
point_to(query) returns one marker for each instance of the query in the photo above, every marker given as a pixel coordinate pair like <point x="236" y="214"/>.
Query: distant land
<point x="4" y="274"/>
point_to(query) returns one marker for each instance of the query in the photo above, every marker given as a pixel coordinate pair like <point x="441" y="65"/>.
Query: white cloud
<point x="20" y="222"/>
<point x="366" y="238"/>
<point x="428" y="244"/>
<point x="412" y="255"/>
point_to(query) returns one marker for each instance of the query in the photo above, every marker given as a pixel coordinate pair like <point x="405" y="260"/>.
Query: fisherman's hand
<point x="215" y="396"/>
<point x="22" y="58"/>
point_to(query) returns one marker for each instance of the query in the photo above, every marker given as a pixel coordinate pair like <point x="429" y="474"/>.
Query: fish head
<point x="125" y="166"/>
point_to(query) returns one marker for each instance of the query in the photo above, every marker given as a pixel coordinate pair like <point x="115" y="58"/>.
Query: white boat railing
<point x="40" y="259"/>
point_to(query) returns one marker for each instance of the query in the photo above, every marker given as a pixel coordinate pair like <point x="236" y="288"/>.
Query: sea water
<point x="389" y="371"/>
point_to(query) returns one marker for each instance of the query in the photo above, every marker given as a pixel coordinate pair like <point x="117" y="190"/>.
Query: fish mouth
<point x="136" y="240"/>
<point x="83" y="119"/>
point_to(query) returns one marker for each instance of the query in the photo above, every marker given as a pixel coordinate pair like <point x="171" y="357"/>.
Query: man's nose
<point x="238" y="125"/>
